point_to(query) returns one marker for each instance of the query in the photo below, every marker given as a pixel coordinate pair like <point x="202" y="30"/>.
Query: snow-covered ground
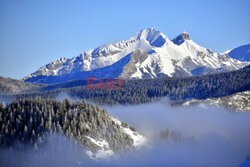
<point x="139" y="139"/>
<point x="104" y="152"/>
<point x="238" y="102"/>
<point x="179" y="57"/>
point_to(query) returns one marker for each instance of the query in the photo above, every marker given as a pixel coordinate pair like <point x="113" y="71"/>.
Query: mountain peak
<point x="185" y="35"/>
<point x="146" y="33"/>
<point x="153" y="36"/>
<point x="241" y="53"/>
<point x="149" y="29"/>
<point x="181" y="38"/>
<point x="148" y="54"/>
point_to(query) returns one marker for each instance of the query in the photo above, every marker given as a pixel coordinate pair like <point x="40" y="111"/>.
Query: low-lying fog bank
<point x="200" y="135"/>
<point x="205" y="135"/>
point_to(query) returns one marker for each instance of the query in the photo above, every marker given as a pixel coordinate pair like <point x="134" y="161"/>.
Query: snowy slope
<point x="238" y="102"/>
<point x="241" y="53"/>
<point x="138" y="139"/>
<point x="148" y="54"/>
<point x="104" y="151"/>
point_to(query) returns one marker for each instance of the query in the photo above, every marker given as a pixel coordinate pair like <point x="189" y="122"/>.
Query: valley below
<point x="193" y="135"/>
<point x="180" y="121"/>
<point x="200" y="135"/>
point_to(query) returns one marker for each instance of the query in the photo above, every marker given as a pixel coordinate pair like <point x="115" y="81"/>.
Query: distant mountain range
<point x="241" y="53"/>
<point x="148" y="54"/>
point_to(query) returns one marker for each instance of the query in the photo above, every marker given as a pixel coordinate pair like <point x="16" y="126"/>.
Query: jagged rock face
<point x="137" y="57"/>
<point x="148" y="54"/>
<point x="181" y="38"/>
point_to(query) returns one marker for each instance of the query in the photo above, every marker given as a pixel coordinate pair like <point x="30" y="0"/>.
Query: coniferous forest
<point x="29" y="121"/>
<point x="178" y="90"/>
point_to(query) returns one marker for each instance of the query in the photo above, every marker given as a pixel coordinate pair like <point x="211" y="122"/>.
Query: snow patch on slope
<point x="238" y="102"/>
<point x="103" y="153"/>
<point x="139" y="140"/>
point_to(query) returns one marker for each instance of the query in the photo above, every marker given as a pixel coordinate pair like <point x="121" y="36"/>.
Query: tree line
<point x="29" y="121"/>
<point x="178" y="89"/>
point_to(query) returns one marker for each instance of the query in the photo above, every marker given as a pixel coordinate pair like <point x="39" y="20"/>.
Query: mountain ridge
<point x="162" y="57"/>
<point x="241" y="53"/>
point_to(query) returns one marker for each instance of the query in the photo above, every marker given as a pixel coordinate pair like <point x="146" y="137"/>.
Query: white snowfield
<point x="139" y="139"/>
<point x="104" y="152"/>
<point x="178" y="57"/>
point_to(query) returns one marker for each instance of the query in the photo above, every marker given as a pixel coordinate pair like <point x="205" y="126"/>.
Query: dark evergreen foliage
<point x="145" y="90"/>
<point x="28" y="121"/>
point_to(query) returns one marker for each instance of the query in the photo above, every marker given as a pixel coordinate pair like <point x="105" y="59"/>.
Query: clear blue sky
<point x="34" y="33"/>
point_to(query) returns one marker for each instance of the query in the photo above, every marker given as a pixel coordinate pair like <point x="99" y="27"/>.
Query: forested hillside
<point x="145" y="90"/>
<point x="8" y="85"/>
<point x="236" y="102"/>
<point x="178" y="89"/>
<point x="29" y="121"/>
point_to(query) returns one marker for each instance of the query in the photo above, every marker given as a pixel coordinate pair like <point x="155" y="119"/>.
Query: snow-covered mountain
<point x="241" y="53"/>
<point x="148" y="54"/>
